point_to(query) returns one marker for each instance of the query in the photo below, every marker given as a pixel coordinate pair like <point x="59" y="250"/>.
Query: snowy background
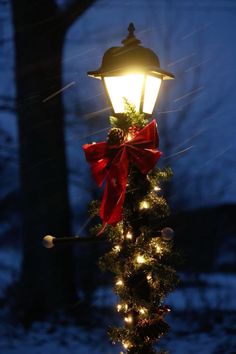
<point x="196" y="117"/>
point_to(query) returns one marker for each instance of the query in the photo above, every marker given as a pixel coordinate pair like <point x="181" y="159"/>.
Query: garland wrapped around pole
<point x="134" y="217"/>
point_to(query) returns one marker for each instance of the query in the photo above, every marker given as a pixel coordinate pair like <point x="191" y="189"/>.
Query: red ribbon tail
<point x="114" y="194"/>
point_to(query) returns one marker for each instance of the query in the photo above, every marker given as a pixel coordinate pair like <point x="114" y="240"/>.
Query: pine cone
<point x="116" y="136"/>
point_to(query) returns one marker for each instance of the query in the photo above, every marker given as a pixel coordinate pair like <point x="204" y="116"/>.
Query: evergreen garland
<point x="141" y="256"/>
<point x="128" y="119"/>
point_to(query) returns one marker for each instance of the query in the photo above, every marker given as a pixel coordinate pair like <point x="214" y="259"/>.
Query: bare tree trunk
<point x="47" y="278"/>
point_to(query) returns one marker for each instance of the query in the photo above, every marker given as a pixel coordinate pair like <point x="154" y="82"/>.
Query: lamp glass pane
<point x="152" y="88"/>
<point x="127" y="86"/>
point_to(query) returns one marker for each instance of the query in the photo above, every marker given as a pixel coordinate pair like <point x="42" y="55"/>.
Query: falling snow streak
<point x="59" y="91"/>
<point x="97" y="132"/>
<point x="219" y="154"/>
<point x="181" y="59"/>
<point x="91" y="97"/>
<point x="84" y="225"/>
<point x="196" y="31"/>
<point x="149" y="29"/>
<point x="197" y="65"/>
<point x="179" y="152"/>
<point x="191" y="138"/>
<point x="30" y="98"/>
<point x="189" y="93"/>
<point x="79" y="55"/>
<point x="93" y="114"/>
<point x="170" y="111"/>
<point x="191" y="101"/>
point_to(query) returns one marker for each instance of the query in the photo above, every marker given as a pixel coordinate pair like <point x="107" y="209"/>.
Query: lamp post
<point x="141" y="244"/>
<point x="131" y="73"/>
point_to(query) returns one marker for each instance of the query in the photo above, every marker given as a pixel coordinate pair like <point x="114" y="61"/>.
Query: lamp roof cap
<point x="131" y="57"/>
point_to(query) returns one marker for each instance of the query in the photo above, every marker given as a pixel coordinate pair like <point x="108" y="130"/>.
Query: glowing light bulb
<point x="129" y="136"/>
<point x="158" y="249"/>
<point x="126" y="87"/>
<point x="129" y="236"/>
<point x="126" y="345"/>
<point x="157" y="189"/>
<point x="128" y="319"/>
<point x="140" y="259"/>
<point x="142" y="310"/>
<point x="144" y="205"/>
<point x="117" y="248"/>
<point x="120" y="282"/>
<point x="119" y="307"/>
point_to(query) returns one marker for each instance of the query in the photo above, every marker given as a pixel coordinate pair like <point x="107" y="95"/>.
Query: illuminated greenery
<point x="142" y="259"/>
<point x="129" y="118"/>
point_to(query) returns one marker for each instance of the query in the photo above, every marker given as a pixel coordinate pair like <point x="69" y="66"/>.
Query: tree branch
<point x="74" y="10"/>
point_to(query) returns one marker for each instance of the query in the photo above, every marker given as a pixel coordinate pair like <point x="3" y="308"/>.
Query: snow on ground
<point x="202" y="320"/>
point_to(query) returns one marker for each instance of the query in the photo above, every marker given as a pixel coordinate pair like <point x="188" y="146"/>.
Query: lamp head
<point x="134" y="71"/>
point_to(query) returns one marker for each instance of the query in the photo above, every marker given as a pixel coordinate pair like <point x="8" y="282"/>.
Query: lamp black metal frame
<point x="131" y="57"/>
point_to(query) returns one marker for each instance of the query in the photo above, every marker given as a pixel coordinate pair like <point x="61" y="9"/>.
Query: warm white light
<point x="120" y="282"/>
<point x="144" y="205"/>
<point x="117" y="248"/>
<point x="128" y="319"/>
<point x="140" y="259"/>
<point x="149" y="277"/>
<point x="142" y="310"/>
<point x="129" y="236"/>
<point x="119" y="307"/>
<point x="152" y="87"/>
<point x="158" y="249"/>
<point x="123" y="307"/>
<point x="127" y="87"/>
<point x="129" y="136"/>
<point x="126" y="345"/>
<point x="157" y="189"/>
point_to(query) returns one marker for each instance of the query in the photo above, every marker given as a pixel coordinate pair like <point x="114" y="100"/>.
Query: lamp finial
<point x="131" y="39"/>
<point x="131" y="30"/>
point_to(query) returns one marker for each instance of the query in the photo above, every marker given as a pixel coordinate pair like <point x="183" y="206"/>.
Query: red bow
<point x="111" y="163"/>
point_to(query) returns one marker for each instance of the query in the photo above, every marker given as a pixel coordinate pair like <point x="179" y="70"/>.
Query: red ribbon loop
<point x="111" y="163"/>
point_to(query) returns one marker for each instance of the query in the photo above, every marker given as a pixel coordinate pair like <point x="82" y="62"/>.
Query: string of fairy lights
<point x="157" y="246"/>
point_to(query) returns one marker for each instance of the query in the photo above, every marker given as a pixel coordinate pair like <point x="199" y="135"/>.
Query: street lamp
<point x="131" y="74"/>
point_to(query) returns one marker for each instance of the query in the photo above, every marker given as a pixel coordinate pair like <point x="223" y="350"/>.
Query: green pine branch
<point x="142" y="260"/>
<point x="129" y="119"/>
